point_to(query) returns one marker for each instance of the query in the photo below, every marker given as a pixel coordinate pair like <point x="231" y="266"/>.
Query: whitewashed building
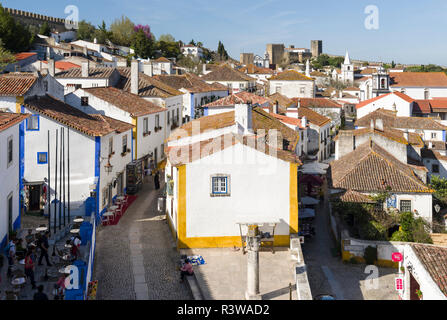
<point x="231" y="166"/>
<point x="292" y="84"/>
<point x="191" y="50"/>
<point x="11" y="135"/>
<point x="100" y="149"/>
<point x="394" y="101"/>
<point x="235" y="80"/>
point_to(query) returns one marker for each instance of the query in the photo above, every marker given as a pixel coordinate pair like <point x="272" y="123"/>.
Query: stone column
<point x="253" y="244"/>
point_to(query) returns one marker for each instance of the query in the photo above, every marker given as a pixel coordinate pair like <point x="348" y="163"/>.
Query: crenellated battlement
<point x="30" y="18"/>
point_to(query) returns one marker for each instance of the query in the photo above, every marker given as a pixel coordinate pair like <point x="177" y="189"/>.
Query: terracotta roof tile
<point x="92" y="125"/>
<point x="418" y="79"/>
<point x="190" y="82"/>
<point x="8" y="119"/>
<point x="399" y="94"/>
<point x="252" y="69"/>
<point x="291" y="75"/>
<point x="64" y="65"/>
<point x="317" y="103"/>
<point x="283" y="101"/>
<point x="312" y="116"/>
<point x="434" y="260"/>
<point x="242" y="97"/>
<point x="392" y="134"/>
<point x="94" y="73"/>
<point x="226" y="73"/>
<point x="370" y="168"/>
<point x="356" y="197"/>
<point x="126" y="101"/>
<point x="24" y="55"/>
<point x="16" y="84"/>
<point x="390" y="120"/>
<point x="162" y="59"/>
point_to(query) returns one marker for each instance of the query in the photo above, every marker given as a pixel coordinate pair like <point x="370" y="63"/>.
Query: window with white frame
<point x="405" y="205"/>
<point x="220" y="185"/>
<point x="302" y="90"/>
<point x="145" y="125"/>
<point x="9" y="151"/>
<point x="433" y="135"/>
<point x="157" y="121"/>
<point x="32" y="123"/>
<point x="125" y="143"/>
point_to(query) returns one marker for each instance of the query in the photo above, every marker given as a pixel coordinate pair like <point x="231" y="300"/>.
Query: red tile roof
<point x="63" y="65"/>
<point x="8" y="119"/>
<point x="396" y="93"/>
<point x="16" y="84"/>
<point x="312" y="116"/>
<point x="434" y="260"/>
<point x="418" y="79"/>
<point x="317" y="103"/>
<point x="252" y="69"/>
<point x="288" y="120"/>
<point x="24" y="55"/>
<point x="162" y="59"/>
<point x="226" y="73"/>
<point x="92" y="125"/>
<point x="242" y="97"/>
<point x="291" y="75"/>
<point x="126" y="101"/>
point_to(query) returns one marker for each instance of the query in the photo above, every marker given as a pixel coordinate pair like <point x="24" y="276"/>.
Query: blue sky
<point x="409" y="31"/>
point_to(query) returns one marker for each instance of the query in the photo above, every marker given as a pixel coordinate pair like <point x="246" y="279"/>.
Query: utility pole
<point x="253" y="245"/>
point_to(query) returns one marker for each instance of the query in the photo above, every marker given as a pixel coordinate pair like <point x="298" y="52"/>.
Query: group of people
<point x="16" y="251"/>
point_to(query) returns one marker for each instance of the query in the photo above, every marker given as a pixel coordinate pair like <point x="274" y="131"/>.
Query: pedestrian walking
<point x="157" y="180"/>
<point x="29" y="268"/>
<point x="44" y="246"/>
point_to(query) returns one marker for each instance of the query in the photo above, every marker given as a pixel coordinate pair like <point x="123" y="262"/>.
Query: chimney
<point x="299" y="103"/>
<point x="95" y="40"/>
<point x="304" y="122"/>
<point x="85" y="51"/>
<point x="406" y="135"/>
<point x="51" y="67"/>
<point x="204" y="68"/>
<point x="340" y="94"/>
<point x="379" y="124"/>
<point x="276" y="108"/>
<point x="134" y="77"/>
<point x="243" y="118"/>
<point x="85" y="68"/>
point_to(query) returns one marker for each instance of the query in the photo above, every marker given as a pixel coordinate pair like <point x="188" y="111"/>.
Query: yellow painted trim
<point x="293" y="219"/>
<point x="19" y="102"/>
<point x="208" y="242"/>
<point x="135" y="136"/>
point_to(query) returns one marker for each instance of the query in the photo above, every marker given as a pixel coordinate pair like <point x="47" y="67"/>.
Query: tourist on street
<point x="44" y="246"/>
<point x="186" y="270"/>
<point x="29" y="268"/>
<point x="40" y="295"/>
<point x="157" y="180"/>
<point x="12" y="252"/>
<point x="29" y="238"/>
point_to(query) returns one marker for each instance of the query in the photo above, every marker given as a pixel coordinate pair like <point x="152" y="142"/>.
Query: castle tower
<point x="347" y="70"/>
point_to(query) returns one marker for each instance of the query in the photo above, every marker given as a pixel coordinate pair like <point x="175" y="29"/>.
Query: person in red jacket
<point x="29" y="268"/>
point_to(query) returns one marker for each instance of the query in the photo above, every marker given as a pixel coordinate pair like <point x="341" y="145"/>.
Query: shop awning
<point x="309" y="201"/>
<point x="306" y="213"/>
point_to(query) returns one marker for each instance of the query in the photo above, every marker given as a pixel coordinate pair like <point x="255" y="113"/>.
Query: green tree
<point x="192" y="42"/>
<point x="122" y="31"/>
<point x="102" y="34"/>
<point x="14" y="36"/>
<point x="166" y="38"/>
<point x="143" y="46"/>
<point x="168" y="49"/>
<point x="440" y="186"/>
<point x="85" y="31"/>
<point x="45" y="29"/>
<point x="6" y="57"/>
<point x="221" y="52"/>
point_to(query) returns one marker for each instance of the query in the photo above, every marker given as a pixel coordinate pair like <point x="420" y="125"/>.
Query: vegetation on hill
<point x="427" y="68"/>
<point x="14" y="36"/>
<point x="324" y="60"/>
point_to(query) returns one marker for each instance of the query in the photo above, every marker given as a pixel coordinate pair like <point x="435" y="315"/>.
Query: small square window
<point x="84" y="101"/>
<point x="220" y="185"/>
<point x="42" y="157"/>
<point x="435" y="168"/>
<point x="32" y="123"/>
<point x="405" y="205"/>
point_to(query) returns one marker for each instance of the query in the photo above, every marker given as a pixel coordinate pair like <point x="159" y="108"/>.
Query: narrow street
<point x="329" y="275"/>
<point x="137" y="259"/>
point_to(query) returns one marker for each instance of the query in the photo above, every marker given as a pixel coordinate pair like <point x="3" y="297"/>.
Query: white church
<point x="346" y="74"/>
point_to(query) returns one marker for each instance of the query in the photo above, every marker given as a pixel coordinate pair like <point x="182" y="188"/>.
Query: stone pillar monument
<point x="253" y="245"/>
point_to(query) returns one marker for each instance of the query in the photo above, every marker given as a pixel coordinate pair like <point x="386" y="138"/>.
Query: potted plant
<point x="419" y="293"/>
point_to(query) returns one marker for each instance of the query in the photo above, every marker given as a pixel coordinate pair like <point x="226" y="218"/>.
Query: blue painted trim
<point x="97" y="171"/>
<point x="21" y="167"/>
<point x="205" y="111"/>
<point x="4" y="242"/>
<point x="192" y="106"/>
<point x="46" y="157"/>
<point x="16" y="224"/>
<point x="226" y="183"/>
<point x="443" y="135"/>
<point x="356" y="127"/>
<point x="38" y="122"/>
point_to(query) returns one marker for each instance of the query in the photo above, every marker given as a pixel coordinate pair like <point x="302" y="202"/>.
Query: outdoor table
<point x="41" y="229"/>
<point x="74" y="231"/>
<point x="68" y="246"/>
<point x="121" y="198"/>
<point x="109" y="214"/>
<point x="22" y="261"/>
<point x="78" y="220"/>
<point x="113" y="208"/>
<point x="66" y="257"/>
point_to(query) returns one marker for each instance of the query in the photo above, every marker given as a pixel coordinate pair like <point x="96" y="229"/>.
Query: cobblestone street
<point x="137" y="258"/>
<point x="329" y="275"/>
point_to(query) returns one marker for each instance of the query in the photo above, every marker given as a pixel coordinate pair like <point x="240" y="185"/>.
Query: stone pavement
<point x="224" y="274"/>
<point x="137" y="258"/>
<point x="329" y="275"/>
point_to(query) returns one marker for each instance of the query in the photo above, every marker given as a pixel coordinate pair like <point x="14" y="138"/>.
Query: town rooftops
<point x="396" y="93"/>
<point x="8" y="119"/>
<point x="147" y="86"/>
<point x="252" y="69"/>
<point x="17" y="83"/>
<point x="390" y="120"/>
<point x="126" y="101"/>
<point x="356" y="197"/>
<point x="63" y="65"/>
<point x="24" y="55"/>
<point x="312" y="116"/>
<point x="369" y="168"/>
<point x="226" y="73"/>
<point x="430" y="106"/>
<point x="242" y="97"/>
<point x="93" y="73"/>
<point x="316" y="103"/>
<point x="162" y="59"/>
<point x="287" y="120"/>
<point x="201" y="149"/>
<point x="261" y="120"/>
<point x="283" y="101"/>
<point x="290" y="75"/>
<point x="418" y="79"/>
<point x="189" y="82"/>
<point x="92" y="125"/>
<point x="392" y="134"/>
<point x="434" y="260"/>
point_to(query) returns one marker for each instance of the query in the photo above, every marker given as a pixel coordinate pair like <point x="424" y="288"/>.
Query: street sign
<point x="397" y="257"/>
